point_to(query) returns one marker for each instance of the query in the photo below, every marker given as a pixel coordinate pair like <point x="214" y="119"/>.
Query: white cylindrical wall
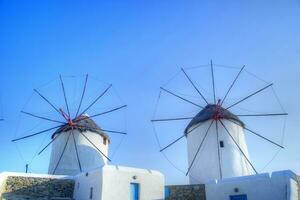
<point x="90" y="157"/>
<point x="206" y="166"/>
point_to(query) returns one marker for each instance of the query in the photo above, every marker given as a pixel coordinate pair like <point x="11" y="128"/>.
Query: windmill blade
<point x="181" y="137"/>
<point x="247" y="97"/>
<point x="94" y="146"/>
<point x="236" y="78"/>
<point x="43" y="97"/>
<point x="76" y="150"/>
<point x="37" y="133"/>
<point x="257" y="134"/>
<point x="103" y="93"/>
<point x="65" y="96"/>
<point x="213" y="80"/>
<point x="262" y="115"/>
<point x="181" y="97"/>
<point x="111" y="131"/>
<point x="83" y="93"/>
<point x="190" y="80"/>
<point x="198" y="125"/>
<point x="237" y="145"/>
<point x="198" y="150"/>
<point x="219" y="154"/>
<point x="172" y="143"/>
<point x="61" y="155"/>
<point x="103" y="113"/>
<point x="41" y="117"/>
<point x="49" y="144"/>
<point x="171" y="119"/>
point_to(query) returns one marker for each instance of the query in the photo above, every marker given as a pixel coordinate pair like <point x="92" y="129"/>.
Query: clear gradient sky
<point x="137" y="45"/>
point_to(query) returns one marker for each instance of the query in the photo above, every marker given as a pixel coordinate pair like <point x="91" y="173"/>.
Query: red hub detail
<point x="67" y="118"/>
<point x="217" y="114"/>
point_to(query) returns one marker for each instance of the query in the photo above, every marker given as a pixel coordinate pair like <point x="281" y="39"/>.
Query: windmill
<point x="215" y="136"/>
<point x="78" y="143"/>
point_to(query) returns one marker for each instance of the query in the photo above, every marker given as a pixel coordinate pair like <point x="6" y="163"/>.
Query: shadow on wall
<point x="24" y="188"/>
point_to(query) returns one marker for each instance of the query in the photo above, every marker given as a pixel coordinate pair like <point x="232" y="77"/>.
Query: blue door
<point x="134" y="190"/>
<point x="238" y="197"/>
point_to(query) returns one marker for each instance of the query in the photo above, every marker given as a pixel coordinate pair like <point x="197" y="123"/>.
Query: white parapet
<point x="280" y="185"/>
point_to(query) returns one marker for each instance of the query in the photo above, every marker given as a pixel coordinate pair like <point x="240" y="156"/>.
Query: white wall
<point x="89" y="156"/>
<point x="113" y="183"/>
<point x="206" y="166"/>
<point x="280" y="186"/>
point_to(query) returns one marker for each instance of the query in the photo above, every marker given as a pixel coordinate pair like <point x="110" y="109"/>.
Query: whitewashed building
<point x="81" y="151"/>
<point x="282" y="185"/>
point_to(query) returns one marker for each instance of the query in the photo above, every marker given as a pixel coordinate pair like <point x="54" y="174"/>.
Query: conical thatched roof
<point x="84" y="124"/>
<point x="209" y="112"/>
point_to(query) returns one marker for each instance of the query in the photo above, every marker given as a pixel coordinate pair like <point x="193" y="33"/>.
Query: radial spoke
<point x="104" y="130"/>
<point x="219" y="154"/>
<point x="104" y="92"/>
<point x="43" y="97"/>
<point x="64" y="149"/>
<point x="213" y="80"/>
<point x="76" y="150"/>
<point x="237" y="145"/>
<point x="181" y="97"/>
<point x="40" y="132"/>
<point x="198" y="125"/>
<point x="94" y="146"/>
<point x="236" y="78"/>
<point x="103" y="113"/>
<point x="49" y="144"/>
<point x="262" y="115"/>
<point x="111" y="131"/>
<point x="198" y="150"/>
<point x="65" y="96"/>
<point x="172" y="143"/>
<point x="41" y="117"/>
<point x="83" y="92"/>
<point x="171" y="119"/>
<point x="255" y="133"/>
<point x="247" y="97"/>
<point x="190" y="80"/>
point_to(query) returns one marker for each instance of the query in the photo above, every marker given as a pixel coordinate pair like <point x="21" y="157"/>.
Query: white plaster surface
<point x="206" y="166"/>
<point x="90" y="157"/>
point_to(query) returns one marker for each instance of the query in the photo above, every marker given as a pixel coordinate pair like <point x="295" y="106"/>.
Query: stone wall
<point x="186" y="192"/>
<point x="24" y="188"/>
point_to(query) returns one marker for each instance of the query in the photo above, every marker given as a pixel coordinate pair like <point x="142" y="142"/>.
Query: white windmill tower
<point x="216" y="144"/>
<point x="89" y="142"/>
<point x="78" y="143"/>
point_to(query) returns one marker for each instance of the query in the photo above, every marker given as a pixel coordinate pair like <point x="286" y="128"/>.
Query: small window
<point x="222" y="144"/>
<point x="91" y="193"/>
<point x="104" y="141"/>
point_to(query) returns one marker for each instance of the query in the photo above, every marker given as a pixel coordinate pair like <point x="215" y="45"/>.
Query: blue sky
<point x="137" y="46"/>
